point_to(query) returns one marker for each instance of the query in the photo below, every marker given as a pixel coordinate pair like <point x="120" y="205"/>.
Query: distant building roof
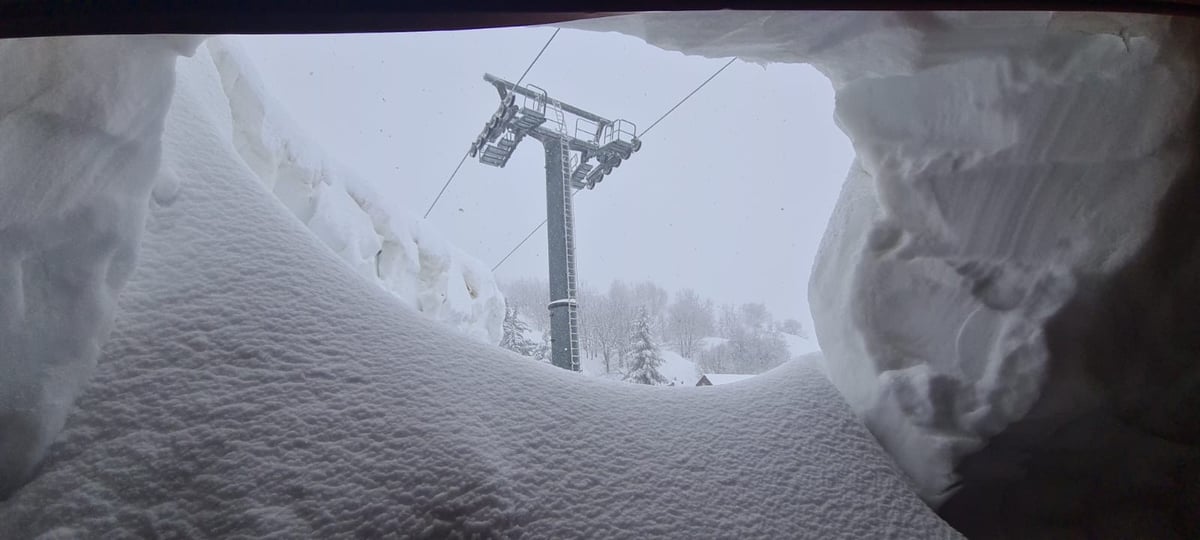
<point x="712" y="379"/>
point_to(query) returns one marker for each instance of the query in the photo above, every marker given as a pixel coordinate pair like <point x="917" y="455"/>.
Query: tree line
<point x="742" y="338"/>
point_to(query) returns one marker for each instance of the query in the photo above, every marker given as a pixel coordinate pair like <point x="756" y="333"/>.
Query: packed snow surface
<point x="255" y="386"/>
<point x="80" y="128"/>
<point x="1000" y="156"/>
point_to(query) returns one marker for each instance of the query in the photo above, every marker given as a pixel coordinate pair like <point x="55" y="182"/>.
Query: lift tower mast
<point x="577" y="157"/>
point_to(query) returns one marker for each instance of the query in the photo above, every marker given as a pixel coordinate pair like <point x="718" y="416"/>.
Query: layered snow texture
<point x="1000" y="156"/>
<point x="80" y="128"/>
<point x="254" y="386"/>
<point x="400" y="253"/>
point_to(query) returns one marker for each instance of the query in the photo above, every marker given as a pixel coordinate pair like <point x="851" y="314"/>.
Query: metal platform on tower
<point x="579" y="155"/>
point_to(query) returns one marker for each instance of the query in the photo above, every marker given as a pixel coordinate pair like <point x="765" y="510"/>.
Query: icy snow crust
<point x="254" y="385"/>
<point x="80" y="127"/>
<point x="402" y="254"/>
<point x="1000" y="155"/>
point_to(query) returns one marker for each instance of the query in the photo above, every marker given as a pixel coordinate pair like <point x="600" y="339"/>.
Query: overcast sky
<point x="729" y="195"/>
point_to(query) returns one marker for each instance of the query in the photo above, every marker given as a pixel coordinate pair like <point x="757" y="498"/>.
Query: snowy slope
<point x="402" y="254"/>
<point x="677" y="369"/>
<point x="1000" y="157"/>
<point x="255" y="386"/>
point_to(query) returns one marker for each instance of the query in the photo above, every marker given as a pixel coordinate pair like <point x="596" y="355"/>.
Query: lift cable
<point x="527" y="237"/>
<point x="643" y="134"/>
<point x="685" y="98"/>
<point x="447" y="184"/>
<point x="468" y="153"/>
<point x="539" y="55"/>
<point x="519" y="244"/>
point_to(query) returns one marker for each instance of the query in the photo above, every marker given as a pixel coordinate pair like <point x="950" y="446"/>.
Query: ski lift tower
<point x="577" y="157"/>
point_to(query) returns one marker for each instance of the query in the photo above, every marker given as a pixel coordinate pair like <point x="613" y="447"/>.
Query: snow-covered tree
<point x="655" y="299"/>
<point x="606" y="319"/>
<point x="622" y="310"/>
<point x="514" y="338"/>
<point x="729" y="324"/>
<point x="688" y="320"/>
<point x="541" y="352"/>
<point x="753" y="343"/>
<point x="644" y="357"/>
<point x="529" y="296"/>
<point x="793" y="327"/>
<point x="755" y="317"/>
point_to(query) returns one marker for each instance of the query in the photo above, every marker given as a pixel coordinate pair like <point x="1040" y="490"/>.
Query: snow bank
<point x="1000" y="157"/>
<point x="402" y="254"/>
<point x="255" y="387"/>
<point x="80" y="127"/>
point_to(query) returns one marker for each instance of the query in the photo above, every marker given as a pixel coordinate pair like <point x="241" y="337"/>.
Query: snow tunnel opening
<point x="711" y="226"/>
<point x="234" y="314"/>
<point x="259" y="385"/>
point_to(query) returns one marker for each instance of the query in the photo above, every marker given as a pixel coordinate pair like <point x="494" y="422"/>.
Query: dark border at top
<point x="24" y="18"/>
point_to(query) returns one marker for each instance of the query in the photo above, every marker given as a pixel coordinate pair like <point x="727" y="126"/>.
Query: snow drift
<point x="80" y="132"/>
<point x="1008" y="165"/>
<point x="402" y="254"/>
<point x="255" y="386"/>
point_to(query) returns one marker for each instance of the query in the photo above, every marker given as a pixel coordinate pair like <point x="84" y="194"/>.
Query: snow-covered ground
<point x="1000" y="157"/>
<point x="1008" y="165"/>
<point x="255" y="385"/>
<point x="677" y="369"/>
<point x="683" y="371"/>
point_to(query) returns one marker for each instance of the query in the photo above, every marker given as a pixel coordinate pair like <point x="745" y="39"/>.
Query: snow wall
<point x="80" y="136"/>
<point x="255" y="387"/>
<point x="1008" y="165"/>
<point x="79" y="143"/>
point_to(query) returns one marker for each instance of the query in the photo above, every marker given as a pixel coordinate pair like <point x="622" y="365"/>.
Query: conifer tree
<point x="645" y="358"/>
<point x="514" y="338"/>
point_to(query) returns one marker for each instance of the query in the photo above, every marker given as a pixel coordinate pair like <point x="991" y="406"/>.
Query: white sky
<point x="728" y="196"/>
